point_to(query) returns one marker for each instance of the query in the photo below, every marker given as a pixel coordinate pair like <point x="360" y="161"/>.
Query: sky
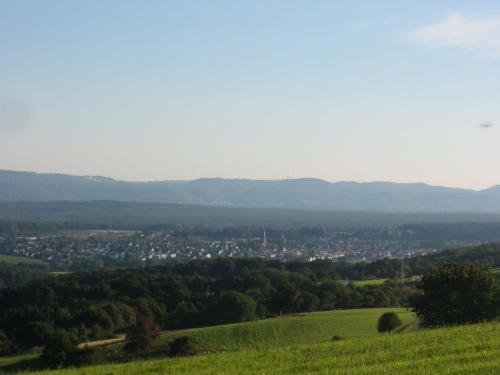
<point x="338" y="90"/>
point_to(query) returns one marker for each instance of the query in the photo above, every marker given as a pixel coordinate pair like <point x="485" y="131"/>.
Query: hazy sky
<point x="340" y="90"/>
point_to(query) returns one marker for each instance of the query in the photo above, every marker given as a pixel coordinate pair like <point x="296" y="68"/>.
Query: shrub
<point x="122" y="315"/>
<point x="184" y="346"/>
<point x="59" y="350"/>
<point x="234" y="307"/>
<point x="36" y="333"/>
<point x="140" y="336"/>
<point x="5" y="344"/>
<point x="388" y="322"/>
<point x="96" y="316"/>
<point x="457" y="294"/>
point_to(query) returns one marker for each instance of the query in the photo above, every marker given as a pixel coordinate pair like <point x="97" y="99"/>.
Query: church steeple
<point x="263" y="245"/>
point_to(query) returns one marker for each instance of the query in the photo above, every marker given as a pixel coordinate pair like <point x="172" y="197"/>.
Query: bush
<point x="36" y="333"/>
<point x="234" y="307"/>
<point x="388" y="322"/>
<point x="184" y="346"/>
<point x="96" y="317"/>
<point x="457" y="294"/>
<point x="59" y="350"/>
<point x="122" y="315"/>
<point x="5" y="344"/>
<point x="140" y="336"/>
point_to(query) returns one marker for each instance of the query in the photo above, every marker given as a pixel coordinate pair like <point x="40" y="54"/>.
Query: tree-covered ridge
<point x="303" y="193"/>
<point x="134" y="215"/>
<point x="96" y="304"/>
<point x="20" y="274"/>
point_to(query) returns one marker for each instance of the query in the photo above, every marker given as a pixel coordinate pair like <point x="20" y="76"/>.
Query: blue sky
<point x="339" y="90"/>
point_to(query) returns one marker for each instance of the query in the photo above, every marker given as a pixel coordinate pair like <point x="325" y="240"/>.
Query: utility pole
<point x="402" y="281"/>
<point x="402" y="272"/>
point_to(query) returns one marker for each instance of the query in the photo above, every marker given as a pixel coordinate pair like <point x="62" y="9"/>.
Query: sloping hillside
<point x="473" y="349"/>
<point x="294" y="329"/>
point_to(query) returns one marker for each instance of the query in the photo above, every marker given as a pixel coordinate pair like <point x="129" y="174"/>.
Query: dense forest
<point x="96" y="304"/>
<point x="20" y="274"/>
<point x="135" y="215"/>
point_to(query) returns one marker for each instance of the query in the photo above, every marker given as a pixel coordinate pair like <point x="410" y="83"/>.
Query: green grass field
<point x="310" y="328"/>
<point x="369" y="282"/>
<point x="19" y="260"/>
<point x="18" y="362"/>
<point x="293" y="329"/>
<point x="473" y="349"/>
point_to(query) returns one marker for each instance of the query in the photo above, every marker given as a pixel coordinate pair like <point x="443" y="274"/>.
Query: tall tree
<point x="457" y="294"/>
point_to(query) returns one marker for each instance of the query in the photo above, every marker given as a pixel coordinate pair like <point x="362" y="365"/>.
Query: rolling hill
<point x="472" y="349"/>
<point x="306" y="193"/>
<point x="100" y="214"/>
<point x="296" y="329"/>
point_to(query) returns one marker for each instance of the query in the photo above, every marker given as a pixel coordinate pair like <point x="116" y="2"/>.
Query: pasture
<point x="473" y="349"/>
<point x="10" y="259"/>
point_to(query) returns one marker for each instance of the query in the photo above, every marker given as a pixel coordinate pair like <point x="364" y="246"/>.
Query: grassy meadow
<point x="289" y="330"/>
<point x="473" y="349"/>
<point x="292" y="329"/>
<point x="10" y="259"/>
<point x="369" y="282"/>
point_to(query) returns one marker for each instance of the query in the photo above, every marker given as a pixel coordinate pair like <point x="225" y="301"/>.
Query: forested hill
<point x="98" y="303"/>
<point x="134" y="215"/>
<point x="308" y="194"/>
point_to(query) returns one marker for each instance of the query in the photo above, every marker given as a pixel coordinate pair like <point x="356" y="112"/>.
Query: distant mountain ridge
<point x="304" y="193"/>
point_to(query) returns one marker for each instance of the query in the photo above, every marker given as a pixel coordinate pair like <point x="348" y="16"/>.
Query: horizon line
<point x="247" y="179"/>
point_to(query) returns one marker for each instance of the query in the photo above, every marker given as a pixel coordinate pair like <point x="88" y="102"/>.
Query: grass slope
<point x="19" y="260"/>
<point x="473" y="349"/>
<point x="369" y="282"/>
<point x="309" y="328"/>
<point x="293" y="329"/>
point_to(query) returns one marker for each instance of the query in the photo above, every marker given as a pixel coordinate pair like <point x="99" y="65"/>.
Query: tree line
<point x="21" y="274"/>
<point x="96" y="304"/>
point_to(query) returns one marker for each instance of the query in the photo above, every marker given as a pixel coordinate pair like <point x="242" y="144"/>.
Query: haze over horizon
<point x="341" y="91"/>
<point x="243" y="178"/>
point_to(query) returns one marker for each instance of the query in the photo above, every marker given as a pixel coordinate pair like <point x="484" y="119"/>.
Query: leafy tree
<point x="5" y="344"/>
<point x="122" y="315"/>
<point x="457" y="294"/>
<point x="184" y="346"/>
<point x="140" y="337"/>
<point x="37" y="333"/>
<point x="388" y="322"/>
<point x="184" y="314"/>
<point x="96" y="316"/>
<point x="232" y="307"/>
<point x="286" y="298"/>
<point x="59" y="349"/>
<point x="310" y="302"/>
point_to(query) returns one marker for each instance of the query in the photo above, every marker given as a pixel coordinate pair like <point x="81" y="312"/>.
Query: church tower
<point x="263" y="245"/>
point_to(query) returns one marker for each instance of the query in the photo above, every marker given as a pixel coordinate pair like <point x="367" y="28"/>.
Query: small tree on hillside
<point x="59" y="349"/>
<point x="457" y="294"/>
<point x="140" y="337"/>
<point x="388" y="322"/>
<point x="234" y="307"/>
<point x="184" y="346"/>
<point x="5" y="344"/>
